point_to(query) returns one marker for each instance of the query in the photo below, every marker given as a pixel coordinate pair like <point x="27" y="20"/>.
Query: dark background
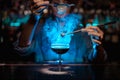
<point x="106" y="11"/>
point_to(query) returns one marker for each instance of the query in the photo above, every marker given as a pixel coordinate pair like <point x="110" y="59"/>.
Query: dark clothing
<point x="81" y="49"/>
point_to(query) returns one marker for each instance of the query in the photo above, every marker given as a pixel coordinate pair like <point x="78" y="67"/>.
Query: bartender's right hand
<point x="37" y="5"/>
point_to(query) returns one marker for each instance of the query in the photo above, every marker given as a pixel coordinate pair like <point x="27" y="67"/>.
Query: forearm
<point x="28" y="31"/>
<point x="101" y="54"/>
<point x="23" y="51"/>
<point x="98" y="55"/>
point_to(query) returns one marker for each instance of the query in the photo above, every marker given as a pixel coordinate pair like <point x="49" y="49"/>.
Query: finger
<point x="92" y="32"/>
<point x="37" y="0"/>
<point x="42" y="3"/>
<point x="35" y="10"/>
<point x="96" y="29"/>
<point x="99" y="31"/>
<point x="38" y="6"/>
<point x="87" y="30"/>
<point x="97" y="41"/>
<point x="96" y="34"/>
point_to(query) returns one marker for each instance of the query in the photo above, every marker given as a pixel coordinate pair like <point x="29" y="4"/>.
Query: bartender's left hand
<point x="94" y="31"/>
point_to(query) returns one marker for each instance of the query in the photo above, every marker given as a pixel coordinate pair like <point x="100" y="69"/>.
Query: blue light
<point x="60" y="46"/>
<point x="79" y="44"/>
<point x="15" y="24"/>
<point x="52" y="35"/>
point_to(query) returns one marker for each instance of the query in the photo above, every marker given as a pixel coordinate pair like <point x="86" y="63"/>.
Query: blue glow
<point x="15" y="24"/>
<point x="52" y="32"/>
<point x="23" y="20"/>
<point x="95" y="21"/>
<point x="94" y="24"/>
<point x="57" y="29"/>
<point x="79" y="44"/>
<point x="107" y="20"/>
<point x="60" y="46"/>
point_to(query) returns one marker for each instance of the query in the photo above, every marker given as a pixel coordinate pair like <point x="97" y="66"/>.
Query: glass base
<point x="56" y="70"/>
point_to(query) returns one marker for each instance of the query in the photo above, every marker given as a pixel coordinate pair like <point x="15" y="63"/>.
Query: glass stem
<point x="60" y="63"/>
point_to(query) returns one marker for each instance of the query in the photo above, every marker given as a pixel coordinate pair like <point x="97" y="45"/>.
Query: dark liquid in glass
<point x="60" y="50"/>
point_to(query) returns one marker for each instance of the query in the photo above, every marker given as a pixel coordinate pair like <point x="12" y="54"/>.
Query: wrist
<point x="37" y="17"/>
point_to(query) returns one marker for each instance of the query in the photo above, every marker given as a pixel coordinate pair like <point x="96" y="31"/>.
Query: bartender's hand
<point x="37" y="5"/>
<point x="94" y="31"/>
